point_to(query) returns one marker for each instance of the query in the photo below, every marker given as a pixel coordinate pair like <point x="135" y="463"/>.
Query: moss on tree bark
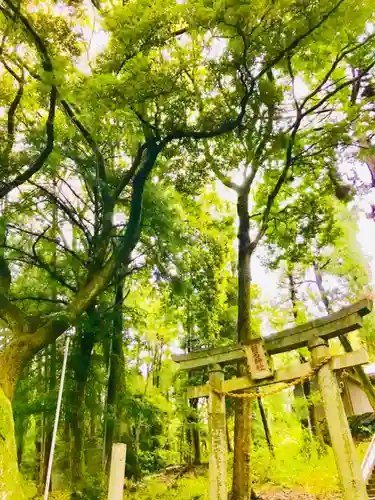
<point x="10" y="478"/>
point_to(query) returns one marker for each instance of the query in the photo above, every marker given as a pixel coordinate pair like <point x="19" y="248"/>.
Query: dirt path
<point x="284" y="494"/>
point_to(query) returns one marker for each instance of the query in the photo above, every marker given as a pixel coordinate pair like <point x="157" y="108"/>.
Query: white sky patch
<point x="95" y="38"/>
<point x="301" y="89"/>
<point x="216" y="49"/>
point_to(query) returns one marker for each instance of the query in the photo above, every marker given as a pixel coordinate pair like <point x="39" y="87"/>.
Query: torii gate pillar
<point x="216" y="427"/>
<point x="352" y="485"/>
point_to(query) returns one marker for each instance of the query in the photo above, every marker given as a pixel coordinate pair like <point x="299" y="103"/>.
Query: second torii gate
<point x="313" y="334"/>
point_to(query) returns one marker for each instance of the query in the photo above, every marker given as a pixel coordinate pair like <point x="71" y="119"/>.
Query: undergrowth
<point x="291" y="468"/>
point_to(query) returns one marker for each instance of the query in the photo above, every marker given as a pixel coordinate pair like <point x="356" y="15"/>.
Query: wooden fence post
<point x="217" y="433"/>
<point x="352" y="484"/>
<point x="117" y="474"/>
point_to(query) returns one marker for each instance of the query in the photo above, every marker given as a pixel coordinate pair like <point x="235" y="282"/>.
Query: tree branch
<point x="148" y="39"/>
<point x="275" y="191"/>
<point x="13" y="316"/>
<point x="35" y="260"/>
<point x="101" y="171"/>
<point x="297" y="41"/>
<point x="40" y="45"/>
<point x="11" y="113"/>
<point x="70" y="214"/>
<point x="337" y="60"/>
<point x="42" y="158"/>
<point x="336" y="90"/>
<point x="130" y="173"/>
<point x="225" y="127"/>
<point x="39" y="299"/>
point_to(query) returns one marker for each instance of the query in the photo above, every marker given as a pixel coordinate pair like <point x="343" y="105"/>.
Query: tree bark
<point x="10" y="478"/>
<point x="68" y="444"/>
<point x="195" y="432"/>
<point x="266" y="428"/>
<point x="229" y="444"/>
<point x="77" y="429"/>
<point x="21" y="419"/>
<point x="241" y="484"/>
<point x="81" y="358"/>
<point x="49" y="417"/>
<point x="116" y="376"/>
<point x="38" y="434"/>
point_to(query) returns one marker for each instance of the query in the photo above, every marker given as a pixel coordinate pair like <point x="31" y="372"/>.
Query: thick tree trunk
<point x="10" y="478"/>
<point x="241" y="484"/>
<point x="21" y="423"/>
<point x="21" y="419"/>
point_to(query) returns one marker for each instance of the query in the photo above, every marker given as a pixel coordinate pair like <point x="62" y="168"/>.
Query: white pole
<point x="56" y="424"/>
<point x="117" y="473"/>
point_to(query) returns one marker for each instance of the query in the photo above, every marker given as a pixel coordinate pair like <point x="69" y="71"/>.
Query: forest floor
<point x="192" y="484"/>
<point x="277" y="493"/>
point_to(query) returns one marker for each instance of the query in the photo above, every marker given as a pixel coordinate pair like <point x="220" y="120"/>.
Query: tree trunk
<point x="116" y="374"/>
<point x="50" y="367"/>
<point x="92" y="423"/>
<point x="77" y="429"/>
<point x="21" y="422"/>
<point x="10" y="478"/>
<point x="38" y="434"/>
<point x="21" y="419"/>
<point x="68" y="444"/>
<point x="241" y="485"/>
<point x="266" y="428"/>
<point x="49" y="417"/>
<point x="310" y="421"/>
<point x="345" y="342"/>
<point x="229" y="444"/>
<point x="81" y="358"/>
<point x="195" y="432"/>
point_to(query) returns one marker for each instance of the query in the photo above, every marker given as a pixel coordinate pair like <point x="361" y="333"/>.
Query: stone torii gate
<point x="314" y="334"/>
